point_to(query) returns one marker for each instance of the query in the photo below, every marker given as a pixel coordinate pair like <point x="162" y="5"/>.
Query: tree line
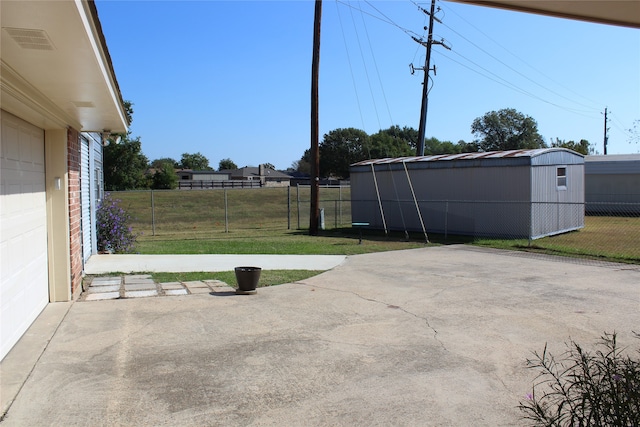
<point x="502" y="130"/>
<point x="126" y="168"/>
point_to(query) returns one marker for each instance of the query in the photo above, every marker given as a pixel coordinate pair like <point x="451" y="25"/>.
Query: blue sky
<point x="232" y="79"/>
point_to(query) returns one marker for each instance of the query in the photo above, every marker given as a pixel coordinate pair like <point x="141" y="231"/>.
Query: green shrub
<point x="584" y="388"/>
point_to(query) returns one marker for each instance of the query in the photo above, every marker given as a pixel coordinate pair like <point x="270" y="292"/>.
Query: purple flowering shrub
<point x="114" y="233"/>
<point x="585" y="388"/>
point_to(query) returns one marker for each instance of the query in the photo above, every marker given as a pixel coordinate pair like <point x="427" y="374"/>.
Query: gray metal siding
<point x="613" y="164"/>
<point x="612" y="184"/>
<point x="498" y="197"/>
<point x="612" y="193"/>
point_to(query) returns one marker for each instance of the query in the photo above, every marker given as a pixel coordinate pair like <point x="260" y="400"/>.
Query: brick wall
<point x="75" y="212"/>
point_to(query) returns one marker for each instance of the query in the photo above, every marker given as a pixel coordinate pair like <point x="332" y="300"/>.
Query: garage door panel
<point x="9" y="133"/>
<point x="24" y="287"/>
<point x="20" y="307"/>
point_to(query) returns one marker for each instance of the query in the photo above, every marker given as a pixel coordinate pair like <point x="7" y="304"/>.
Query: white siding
<point x="85" y="194"/>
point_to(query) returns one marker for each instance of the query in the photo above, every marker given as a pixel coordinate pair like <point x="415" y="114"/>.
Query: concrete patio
<point x="436" y="336"/>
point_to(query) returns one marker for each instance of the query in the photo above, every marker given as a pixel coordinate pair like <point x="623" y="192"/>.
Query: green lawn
<point x="265" y="221"/>
<point x="267" y="277"/>
<point x="605" y="238"/>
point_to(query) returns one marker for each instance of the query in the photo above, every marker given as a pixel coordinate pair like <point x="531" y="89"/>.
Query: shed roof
<point x="534" y="157"/>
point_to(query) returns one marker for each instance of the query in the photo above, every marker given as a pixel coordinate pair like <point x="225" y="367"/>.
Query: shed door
<point x="85" y="192"/>
<point x="24" y="285"/>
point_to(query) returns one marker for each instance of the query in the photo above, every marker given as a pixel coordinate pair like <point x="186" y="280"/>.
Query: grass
<point x="332" y="242"/>
<point x="615" y="239"/>
<point x="267" y="277"/>
<point x="265" y="221"/>
<point x="203" y="211"/>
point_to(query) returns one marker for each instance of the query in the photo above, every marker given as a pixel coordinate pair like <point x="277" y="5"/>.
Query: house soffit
<point x="625" y="13"/>
<point x="56" y="48"/>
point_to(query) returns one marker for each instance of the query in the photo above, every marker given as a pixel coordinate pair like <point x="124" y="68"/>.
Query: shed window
<point x="561" y="177"/>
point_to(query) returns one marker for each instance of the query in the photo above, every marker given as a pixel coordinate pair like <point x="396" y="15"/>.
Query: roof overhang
<point x="624" y="13"/>
<point x="55" y="66"/>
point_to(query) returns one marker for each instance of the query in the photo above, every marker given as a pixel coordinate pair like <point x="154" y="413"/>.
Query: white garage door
<point x="24" y="288"/>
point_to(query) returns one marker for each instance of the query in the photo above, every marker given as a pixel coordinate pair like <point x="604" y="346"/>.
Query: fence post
<point x="298" y="203"/>
<point x="226" y="217"/>
<point x="340" y="197"/>
<point x="531" y="219"/>
<point x="153" y="216"/>
<point x="335" y="212"/>
<point x="289" y="207"/>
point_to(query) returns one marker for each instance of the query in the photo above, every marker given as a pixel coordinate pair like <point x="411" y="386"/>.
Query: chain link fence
<point x="610" y="230"/>
<point x="170" y="212"/>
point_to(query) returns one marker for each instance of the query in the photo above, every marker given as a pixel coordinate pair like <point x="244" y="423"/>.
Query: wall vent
<point x="30" y="39"/>
<point x="83" y="104"/>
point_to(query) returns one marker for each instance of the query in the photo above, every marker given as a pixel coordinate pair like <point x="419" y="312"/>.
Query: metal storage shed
<point x="513" y="194"/>
<point x="612" y="184"/>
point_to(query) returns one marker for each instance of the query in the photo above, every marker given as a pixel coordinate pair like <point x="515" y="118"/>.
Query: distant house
<point x="612" y="184"/>
<point x="267" y="177"/>
<point x="191" y="175"/>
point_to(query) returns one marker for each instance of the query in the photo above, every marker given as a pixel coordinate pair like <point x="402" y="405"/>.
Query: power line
<point x="523" y="61"/>
<point x="510" y="85"/>
<point x="353" y="79"/>
<point x="515" y="70"/>
<point x="375" y="63"/>
<point x="366" y="72"/>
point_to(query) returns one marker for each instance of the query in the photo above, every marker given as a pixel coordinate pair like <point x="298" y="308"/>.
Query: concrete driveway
<point x="427" y="337"/>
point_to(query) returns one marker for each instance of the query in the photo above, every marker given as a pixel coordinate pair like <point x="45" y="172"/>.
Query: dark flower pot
<point x="248" y="278"/>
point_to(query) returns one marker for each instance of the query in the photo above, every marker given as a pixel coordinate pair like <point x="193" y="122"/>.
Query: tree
<point x="408" y="135"/>
<point x="157" y="163"/>
<point x="468" y="147"/>
<point x="124" y="164"/>
<point x="227" y="164"/>
<point x="433" y="146"/>
<point x="390" y="142"/>
<point x="269" y="166"/>
<point x="582" y="147"/>
<point x="506" y="129"/>
<point x="339" y="149"/>
<point x="196" y="162"/>
<point x="304" y="164"/>
<point x="165" y="177"/>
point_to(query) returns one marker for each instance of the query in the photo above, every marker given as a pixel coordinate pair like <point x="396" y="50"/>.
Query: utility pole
<point x="427" y="69"/>
<point x="606" y="131"/>
<point x="315" y="144"/>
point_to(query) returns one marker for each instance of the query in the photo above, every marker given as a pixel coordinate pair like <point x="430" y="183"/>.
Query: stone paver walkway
<point x="139" y="286"/>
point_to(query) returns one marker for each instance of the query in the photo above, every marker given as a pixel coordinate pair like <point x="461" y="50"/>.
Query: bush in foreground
<point x="585" y="388"/>
<point x="114" y="233"/>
